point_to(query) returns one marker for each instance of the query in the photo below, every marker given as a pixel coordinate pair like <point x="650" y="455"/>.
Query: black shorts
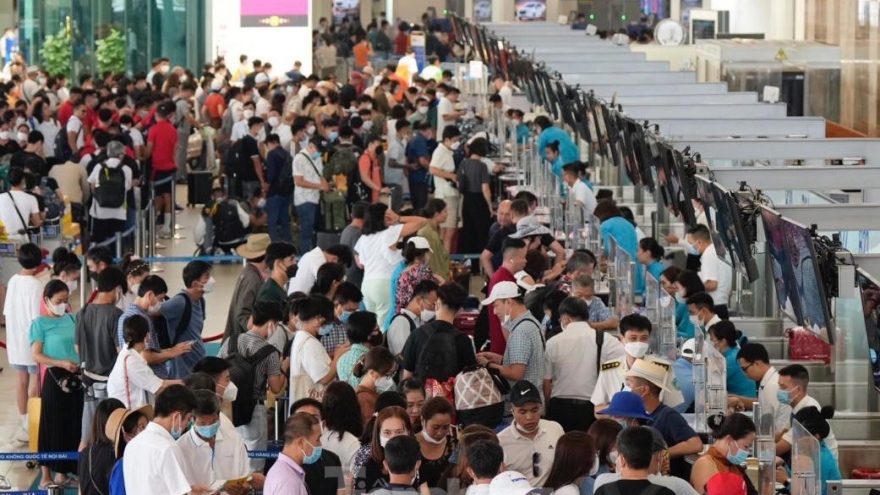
<point x="166" y="187"/>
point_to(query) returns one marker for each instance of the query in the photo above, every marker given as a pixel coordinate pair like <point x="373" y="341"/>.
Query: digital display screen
<point x="805" y="270"/>
<point x="281" y="13"/>
<point x="703" y="30"/>
<point x="783" y="279"/>
<point x="870" y="290"/>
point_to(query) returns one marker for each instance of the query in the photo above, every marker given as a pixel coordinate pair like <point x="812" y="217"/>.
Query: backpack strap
<point x="184" y="318"/>
<point x="412" y="323"/>
<point x="600" y="341"/>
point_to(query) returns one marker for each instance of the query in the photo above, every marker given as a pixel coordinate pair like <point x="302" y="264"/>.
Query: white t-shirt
<point x="263" y="107"/>
<point x="443" y="159"/>
<point x="22" y="307"/>
<point x="444" y="107"/>
<point x="27" y="205"/>
<point x="137" y="138"/>
<point x="581" y="193"/>
<point x="376" y="255"/>
<point x="76" y="125"/>
<point x="478" y="490"/>
<point x="346" y="448"/>
<point x="284" y="135"/>
<point x="151" y="466"/>
<point x="308" y="356"/>
<point x="310" y="169"/>
<point x="307" y="273"/>
<point x="130" y="378"/>
<point x="239" y="130"/>
<point x="712" y="268"/>
<point x="98" y="211"/>
<point x="50" y="129"/>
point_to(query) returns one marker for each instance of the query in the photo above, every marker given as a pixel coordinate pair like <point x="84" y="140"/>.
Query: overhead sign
<point x="274" y="13"/>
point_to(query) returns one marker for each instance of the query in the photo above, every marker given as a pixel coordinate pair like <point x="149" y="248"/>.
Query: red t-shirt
<point x="496" y="336"/>
<point x="65" y="111"/>
<point x="214" y="103"/>
<point x="368" y="168"/>
<point x="163" y="135"/>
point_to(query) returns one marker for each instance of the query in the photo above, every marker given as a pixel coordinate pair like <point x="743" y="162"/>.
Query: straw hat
<point x="113" y="428"/>
<point x="255" y="246"/>
<point x="649" y="371"/>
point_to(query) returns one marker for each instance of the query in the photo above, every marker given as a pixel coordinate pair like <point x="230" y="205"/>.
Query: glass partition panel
<point x="805" y="461"/>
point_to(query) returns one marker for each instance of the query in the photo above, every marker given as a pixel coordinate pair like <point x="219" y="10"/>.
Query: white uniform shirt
<point x="830" y="440"/>
<point x="712" y="268"/>
<point x="767" y="397"/>
<point x="612" y="378"/>
<point x="443" y="159"/>
<point x="519" y="450"/>
<point x="346" y="448"/>
<point x="581" y="193"/>
<point x="150" y="465"/>
<point x="21" y="308"/>
<point x="204" y="465"/>
<point x="571" y="360"/>
<point x="74" y="124"/>
<point x="307" y="273"/>
<point x="309" y="169"/>
<point x="130" y="378"/>
<point x="98" y="211"/>
<point x="444" y="107"/>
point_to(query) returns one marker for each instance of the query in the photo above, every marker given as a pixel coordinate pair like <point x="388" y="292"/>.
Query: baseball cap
<point x="420" y="243"/>
<point x="523" y="392"/>
<point x="511" y="483"/>
<point x="626" y="405"/>
<point x="688" y="349"/>
<point x="725" y="484"/>
<point x="647" y="370"/>
<point x="502" y="290"/>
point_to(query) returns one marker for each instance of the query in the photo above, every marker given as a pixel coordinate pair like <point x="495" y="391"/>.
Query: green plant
<point x="57" y="53"/>
<point x="111" y="53"/>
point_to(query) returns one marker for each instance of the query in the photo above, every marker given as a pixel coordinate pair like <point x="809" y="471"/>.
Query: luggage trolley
<point x="50" y="235"/>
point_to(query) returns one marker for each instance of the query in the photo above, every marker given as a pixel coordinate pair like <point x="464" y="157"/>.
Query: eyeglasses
<point x="747" y="367"/>
<point x="536" y="460"/>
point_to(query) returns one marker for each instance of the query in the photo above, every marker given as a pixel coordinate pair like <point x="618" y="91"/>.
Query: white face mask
<point x="273" y="121"/>
<point x="368" y="125"/>
<point x="72" y="285"/>
<point x="455" y="146"/>
<point x="4" y="134"/>
<point x="383" y="441"/>
<point x="248" y="114"/>
<point x="230" y="392"/>
<point x="636" y="349"/>
<point x="427" y="315"/>
<point x="423" y="110"/>
<point x="385" y="384"/>
<point x="679" y="296"/>
<point x="515" y="122"/>
<point x="695" y="321"/>
<point x="57" y="309"/>
<point x="209" y="286"/>
<point x="431" y="440"/>
<point x="22" y="137"/>
<point x="134" y="288"/>
<point x="311" y="130"/>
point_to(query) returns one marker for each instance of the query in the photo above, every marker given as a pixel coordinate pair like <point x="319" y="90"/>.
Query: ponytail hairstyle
<point x="65" y="261"/>
<point x="726" y="331"/>
<point x="737" y="426"/>
<point x="653" y="247"/>
<point x="434" y="207"/>
<point x="816" y="421"/>
<point x="378" y="359"/>
<point x="411" y="253"/>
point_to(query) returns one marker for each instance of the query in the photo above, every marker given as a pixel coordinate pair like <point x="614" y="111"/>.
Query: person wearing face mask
<point x="648" y="380"/>
<point x="723" y="336"/>
<point x="734" y="437"/>
<point x="368" y="469"/>
<point x="185" y="315"/>
<point x="375" y="372"/>
<point x="419" y="154"/>
<point x="701" y="309"/>
<point x="150" y="464"/>
<point x="151" y="294"/>
<point x="363" y="335"/>
<point x="346" y="301"/>
<point x="370" y="168"/>
<point x="396" y="162"/>
<point x="685" y="284"/>
<point x="570" y="475"/>
<point x="302" y="446"/>
<point x="572" y="366"/>
<point x="267" y="370"/>
<point x="437" y="440"/>
<point x="640" y="456"/>
<point x="52" y="346"/>
<point x="418" y="311"/>
<point x="446" y="181"/>
<point x="308" y="168"/>
<point x="793" y="382"/>
<point x="207" y="457"/>
<point x="135" y="271"/>
<point x="311" y="368"/>
<point x="282" y="266"/>
<point x="716" y="275"/>
<point x="635" y="335"/>
<point x="95" y="338"/>
<point x="240" y="129"/>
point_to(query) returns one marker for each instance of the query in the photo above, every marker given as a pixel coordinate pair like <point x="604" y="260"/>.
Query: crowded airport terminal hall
<point x="440" y="247"/>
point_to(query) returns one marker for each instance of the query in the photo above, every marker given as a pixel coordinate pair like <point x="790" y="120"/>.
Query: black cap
<point x="524" y="392"/>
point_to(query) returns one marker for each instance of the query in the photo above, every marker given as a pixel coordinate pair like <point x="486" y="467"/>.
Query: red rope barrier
<point x="214" y="338"/>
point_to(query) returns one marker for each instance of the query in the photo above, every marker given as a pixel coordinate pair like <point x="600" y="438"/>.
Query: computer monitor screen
<point x="805" y="269"/>
<point x="703" y="29"/>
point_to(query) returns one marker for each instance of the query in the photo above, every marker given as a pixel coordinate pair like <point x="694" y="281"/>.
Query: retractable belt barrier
<point x="73" y="456"/>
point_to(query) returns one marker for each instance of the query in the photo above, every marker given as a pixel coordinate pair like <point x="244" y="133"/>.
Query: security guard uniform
<point x="612" y="378"/>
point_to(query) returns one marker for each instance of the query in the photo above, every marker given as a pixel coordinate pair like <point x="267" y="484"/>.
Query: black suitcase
<point x="198" y="187"/>
<point x="277" y="445"/>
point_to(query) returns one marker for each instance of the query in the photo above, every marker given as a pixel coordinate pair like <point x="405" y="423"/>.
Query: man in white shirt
<point x="701" y="308"/>
<point x="418" y="311"/>
<point x="241" y="128"/>
<point x="581" y="195"/>
<point x="207" y="457"/>
<point x="279" y="127"/>
<point x="108" y="209"/>
<point x="308" y="176"/>
<point x="485" y="460"/>
<point x="446" y="182"/>
<point x="307" y="273"/>
<point x="407" y="66"/>
<point x="716" y="275"/>
<point x="755" y="362"/>
<point x="150" y="465"/>
<point x="447" y="111"/>
<point x="529" y="443"/>
<point x="75" y="131"/>
<point x="573" y="358"/>
<point x="504" y="90"/>
<point x="30" y="87"/>
<point x="793" y="382"/>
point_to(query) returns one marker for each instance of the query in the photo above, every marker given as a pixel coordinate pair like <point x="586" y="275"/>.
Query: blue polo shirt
<point x="683" y="327"/>
<point x="419" y="147"/>
<point x="737" y="381"/>
<point x="623" y="232"/>
<point x="567" y="149"/>
<point x="684" y="377"/>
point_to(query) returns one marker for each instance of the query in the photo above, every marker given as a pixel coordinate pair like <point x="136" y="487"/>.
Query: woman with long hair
<point x="457" y="471"/>
<point x="413" y="391"/>
<point x="435" y="212"/>
<point x="382" y="229"/>
<point x="52" y="347"/>
<point x="686" y="285"/>
<point x="604" y="433"/>
<point x="573" y="464"/>
<point x="734" y="436"/>
<point x="376" y="371"/>
<point x="66" y="267"/>
<point x="724" y="336"/>
<point x="135" y="270"/>
<point x="329" y="277"/>
<point x="97" y="459"/>
<point x="369" y="472"/>
<point x="343" y="423"/>
<point x="650" y="256"/>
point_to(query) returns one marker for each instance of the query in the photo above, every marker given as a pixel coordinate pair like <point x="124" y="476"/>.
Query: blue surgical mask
<point x="208" y="431"/>
<point x="623" y="423"/>
<point x="316" y="155"/>
<point x="784" y="397"/>
<point x="739" y="458"/>
<point x="546" y="321"/>
<point x="693" y="250"/>
<point x="333" y="135"/>
<point x="315" y="456"/>
<point x="344" y="316"/>
<point x="177" y="432"/>
<point x="325" y="330"/>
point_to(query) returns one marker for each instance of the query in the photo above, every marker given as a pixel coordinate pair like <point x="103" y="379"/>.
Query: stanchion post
<point x="83" y="276"/>
<point x="119" y="245"/>
<point x="174" y="234"/>
<point x="139" y="231"/>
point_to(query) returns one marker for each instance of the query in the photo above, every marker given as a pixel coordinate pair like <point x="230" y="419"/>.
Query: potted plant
<point x="57" y="53"/>
<point x="111" y="53"/>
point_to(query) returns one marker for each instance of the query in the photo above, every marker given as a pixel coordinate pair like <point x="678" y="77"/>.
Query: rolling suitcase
<point x="277" y="445"/>
<point x="198" y="187"/>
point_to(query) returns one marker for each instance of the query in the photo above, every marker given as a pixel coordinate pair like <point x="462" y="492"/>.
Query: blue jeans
<point x="278" y="210"/>
<point x="308" y="218"/>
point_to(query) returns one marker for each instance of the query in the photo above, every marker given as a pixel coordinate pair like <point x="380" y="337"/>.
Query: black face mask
<point x="291" y="270"/>
<point x="376" y="339"/>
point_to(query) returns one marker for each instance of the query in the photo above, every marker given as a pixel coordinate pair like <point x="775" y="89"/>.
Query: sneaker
<point x="21" y="435"/>
<point x="165" y="233"/>
<point x="177" y="207"/>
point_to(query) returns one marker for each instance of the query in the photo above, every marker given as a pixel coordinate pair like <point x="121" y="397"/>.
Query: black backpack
<point x="233" y="158"/>
<point x="285" y="180"/>
<point x="357" y="190"/>
<point x="110" y="190"/>
<point x="227" y="224"/>
<point x="166" y="339"/>
<point x="243" y="373"/>
<point x="62" y="147"/>
<point x="434" y="361"/>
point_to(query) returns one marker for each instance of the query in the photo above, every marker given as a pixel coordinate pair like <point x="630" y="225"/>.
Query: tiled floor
<point x="217" y="306"/>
